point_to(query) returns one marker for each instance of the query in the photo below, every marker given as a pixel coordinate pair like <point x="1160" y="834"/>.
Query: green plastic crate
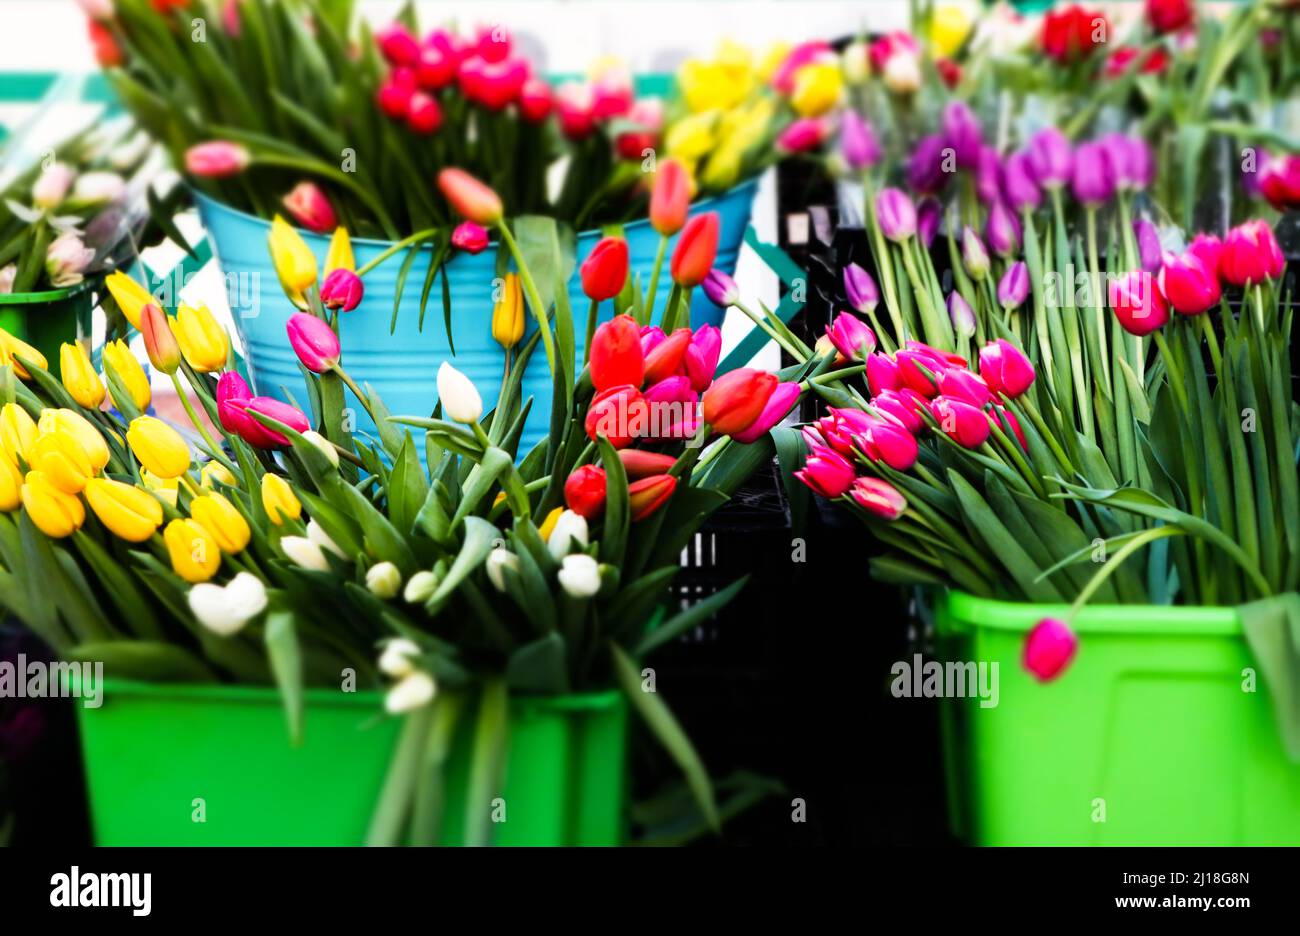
<point x="152" y="750"/>
<point x="45" y="320"/>
<point x="1149" y="723"/>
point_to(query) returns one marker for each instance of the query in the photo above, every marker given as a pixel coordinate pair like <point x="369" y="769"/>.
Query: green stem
<point x="530" y="288"/>
<point x="649" y="311"/>
<point x="1132" y="546"/>
<point x="395" y="247"/>
<point x="194" y="419"/>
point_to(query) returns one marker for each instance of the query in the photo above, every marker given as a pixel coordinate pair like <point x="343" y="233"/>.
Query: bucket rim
<point x="966" y="610"/>
<point x="45" y="296"/>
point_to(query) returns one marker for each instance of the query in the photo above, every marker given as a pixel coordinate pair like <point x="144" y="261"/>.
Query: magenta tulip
<point x="988" y="176"/>
<point x="1210" y="249"/>
<point x="903" y="405"/>
<point x="879" y="497"/>
<point x="960" y="421"/>
<point x="930" y="165"/>
<point x="1005" y="368"/>
<point x="896" y="213"/>
<point x="702" y="356"/>
<point x="882" y="373"/>
<point x="217" y="159"/>
<point x="860" y="289"/>
<point x="721" y="289"/>
<point x="828" y="473"/>
<point x="858" y="143"/>
<point x="469" y="237"/>
<point x="342" y="289"/>
<point x="961" y="384"/>
<point x="1050" y="158"/>
<point x="1013" y="288"/>
<point x="1094" y="179"/>
<point x="1018" y="183"/>
<point x="851" y="337"/>
<point x="1188" y="283"/>
<point x="1251" y="254"/>
<point x="314" y="342"/>
<point x="1002" y="230"/>
<point x="1138" y="305"/>
<point x="888" y="440"/>
<point x="1049" y="648"/>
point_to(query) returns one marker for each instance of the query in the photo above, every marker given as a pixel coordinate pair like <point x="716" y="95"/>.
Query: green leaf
<point x="540" y="666"/>
<point x="286" y="662"/>
<point x="487" y="761"/>
<point x="145" y="660"/>
<point x="693" y="616"/>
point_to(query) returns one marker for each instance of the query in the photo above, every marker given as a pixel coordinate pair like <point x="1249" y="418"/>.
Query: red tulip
<point x="1251" y="254"/>
<point x="638" y="463"/>
<point x="879" y="497"/>
<point x="1006" y="420"/>
<point x="1005" y="368"/>
<point x="646" y="496"/>
<point x="423" y="115"/>
<point x="1166" y="16"/>
<point x="827" y="473"/>
<point x="620" y="414"/>
<point x="737" y="398"/>
<point x="964" y="424"/>
<point x="1189" y="284"/>
<point x="470" y="198"/>
<point x="779" y="404"/>
<point x="669" y="356"/>
<point x="398" y="45"/>
<point x="1049" y="648"/>
<point x="670" y="198"/>
<point x="1279" y="181"/>
<point x="108" y="54"/>
<point x="604" y="272"/>
<point x="1137" y="303"/>
<point x="1073" y="33"/>
<point x="615" y="357"/>
<point x="314" y="342"/>
<point x="394" y="96"/>
<point x="436" y="68"/>
<point x="310" y="208"/>
<point x="535" y="100"/>
<point x="584" y="491"/>
<point x="696" y="249"/>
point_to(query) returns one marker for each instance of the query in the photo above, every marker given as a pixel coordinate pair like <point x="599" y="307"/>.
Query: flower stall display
<point x="501" y="603"/>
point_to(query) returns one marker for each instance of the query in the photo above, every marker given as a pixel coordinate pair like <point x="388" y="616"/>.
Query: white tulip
<point x="855" y="62"/>
<point x="902" y="73"/>
<point x="325" y="445"/>
<point x="384" y="580"/>
<point x="97" y="188"/>
<point x="570" y="532"/>
<point x="318" y="536"/>
<point x="66" y="259"/>
<point x="304" y="553"/>
<point x="8" y="274"/>
<point x="421" y="587"/>
<point x="415" y="690"/>
<point x="579" y="575"/>
<point x="396" y="659"/>
<point x="52" y="185"/>
<point x="498" y="561"/>
<point x="458" y="396"/>
<point x="226" y="609"/>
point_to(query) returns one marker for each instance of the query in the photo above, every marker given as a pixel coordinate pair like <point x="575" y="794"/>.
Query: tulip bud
<point x="214" y="472"/>
<point x="121" y="363"/>
<point x="459" y="398"/>
<point x="470" y="198"/>
<point x="702" y="356"/>
<point x="975" y="258"/>
<point x="129" y="295"/>
<point x="1049" y="648"/>
<point x="615" y="357"/>
<point x="1019" y="187"/>
<point x="307" y="204"/>
<point x="257" y="434"/>
<point x="1094" y="179"/>
<point x="225" y="610"/>
<point x="1150" y="253"/>
<point x="927" y="167"/>
<point x="1050" y="157"/>
<point x="1137" y="303"/>
<point x="887" y="440"/>
<point x="902" y="74"/>
<point x="1188" y="284"/>
<point x="508" y="313"/>
<point x="878" y="497"/>
<point x="960" y="421"/>
<point x="470" y="237"/>
<point x="584" y="491"/>
<point x="278" y="499"/>
<point x="638" y="463"/>
<point x="226" y="524"/>
<point x="303" y="553"/>
<point x="604" y="271"/>
<point x="1279" y="181"/>
<point x="535" y="100"/>
<point x="419" y="589"/>
<point x="397" y="44"/>
<point x="858" y="143"/>
<point x="54" y="512"/>
<point x="62" y="460"/>
<point x="415" y="691"/>
<point x="896" y="214"/>
<point x="294" y="263"/>
<point x="158" y="446"/>
<point x="1251" y="254"/>
<point x="159" y="340"/>
<point x="569" y="534"/>
<point x="649" y="494"/>
<point x="79" y="377"/>
<point x="670" y="197"/>
<point x="316" y="533"/>
<point x="721" y="289"/>
<point x="579" y="576"/>
<point x="383" y="580"/>
<point x="70" y="422"/>
<point x="1003" y="230"/>
<point x="194" y="554"/>
<point x="201" y="338"/>
<point x="882" y="374"/>
<point x="11" y="484"/>
<point x="828" y="473"/>
<point x="342" y="289"/>
<point x="398" y="655"/>
<point x="323" y="445"/>
<point x="51" y="186"/>
<point x="669" y="356"/>
<point x="498" y="564"/>
<point x="1005" y="368"/>
<point x="961" y="315"/>
<point x="314" y="342"/>
<point x="851" y="337"/>
<point x="423" y="113"/>
<point x="903" y="405"/>
<point x="17" y="432"/>
<point x="697" y="247"/>
<point x="66" y="259"/>
<point x="778" y="406"/>
<point x="1013" y="288"/>
<point x="737" y="399"/>
<point x="860" y="289"/>
<point x="216" y="159"/>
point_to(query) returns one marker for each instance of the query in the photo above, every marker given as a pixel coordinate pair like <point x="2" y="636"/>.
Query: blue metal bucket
<point x="402" y="365"/>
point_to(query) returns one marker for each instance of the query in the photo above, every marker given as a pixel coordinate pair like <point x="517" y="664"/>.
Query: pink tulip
<point x="423" y="113"/>
<point x="652" y="336"/>
<point x="851" y="337"/>
<point x="838" y="434"/>
<point x="1005" y="368"/>
<point x="216" y="159"/>
<point x="778" y="406"/>
<point x="1137" y="303"/>
<point x="469" y="237"/>
<point x="879" y="497"/>
<point x="960" y="421"/>
<point x="314" y="342"/>
<point x="961" y="384"/>
<point x="912" y="367"/>
<point x="803" y="135"/>
<point x="1251" y="254"/>
<point x="1279" y="181"/>
<point x="280" y="412"/>
<point x="1049" y="648"/>
<point x="233" y="394"/>
<point x="342" y="289"/>
<point x="889" y="441"/>
<point x="535" y="100"/>
<point x="397" y="44"/>
<point x="436" y="68"/>
<point x="675" y="389"/>
<point x="882" y="373"/>
<point x="827" y="473"/>
<point x="309" y="207"/>
<point x="1006" y="420"/>
<point x="1210" y="249"/>
<point x="1189" y="284"/>
<point x="903" y="405"/>
<point x="702" y="356"/>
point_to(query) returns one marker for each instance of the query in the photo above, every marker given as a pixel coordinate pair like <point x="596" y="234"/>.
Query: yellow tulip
<point x="131" y="297"/>
<point x="203" y="341"/>
<point x="120" y="362"/>
<point x="279" y="500"/>
<point x="55" y="513"/>
<point x="772" y="60"/>
<point x="294" y="262"/>
<point x="723" y="168"/>
<point x="508" y="313"/>
<point x="61" y="458"/>
<point x="79" y="377"/>
<point x="72" y="422"/>
<point x="11" y="484"/>
<point x="220" y="518"/>
<point x="128" y="512"/>
<point x="692" y="137"/>
<point x="548" y="525"/>
<point x="214" y="472"/>
<point x="17" y="432"/>
<point x="817" y="88"/>
<point x="11" y="346"/>
<point x="165" y="489"/>
<point x="339" y="256"/>
<point x="194" y="553"/>
<point x="950" y="24"/>
<point x="158" y="446"/>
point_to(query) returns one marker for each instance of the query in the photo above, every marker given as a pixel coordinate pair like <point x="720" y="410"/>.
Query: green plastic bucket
<point x="45" y="320"/>
<point x="159" y="757"/>
<point x="1147" y="738"/>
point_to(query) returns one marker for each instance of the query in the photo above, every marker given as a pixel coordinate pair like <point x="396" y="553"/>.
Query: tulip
<point x="223" y="522"/>
<point x="1138" y="305"/>
<point x="616" y="357"/>
<point x="568" y="534"/>
<point x="11" y="484"/>
<point x="1005" y="368"/>
<point x="879" y="497"/>
<point x="383" y="580"/>
<point x="225" y="610"/>
<point x="213" y="473"/>
<point x="323" y="445"/>
<point x="316" y="534"/>
<point x="165" y="490"/>
<point x="961" y="384"/>
<point x="858" y="143"/>
<point x="470" y="198"/>
<point x="423" y="113"/>
<point x="128" y="512"/>
<point x="1049" y="648"/>
<point x="470" y="237"/>
<point x="12" y="349"/>
<point x="1072" y="33"/>
<point x="17" y="432"/>
<point x="129" y="295"/>
<point x="307" y="204"/>
<point x="1148" y="242"/>
<point x="737" y="399"/>
<point x="988" y="176"/>
<point x="535" y="100"/>
<point x="158" y="447"/>
<point x="919" y="371"/>
<point x="159" y="340"/>
<point x="194" y="554"/>
<point x="721" y="289"/>
<point x="414" y="691"/>
<point x="828" y="473"/>
<point x="928" y="168"/>
<point x="293" y="260"/>
<point x="928" y="215"/>
<point x="621" y="414"/>
<point x="960" y="421"/>
<point x="904" y="405"/>
<point x="779" y="404"/>
<point x="342" y="289"/>
<point x="8" y="273"/>
<point x="974" y="256"/>
<point x="961" y="315"/>
<point x="508" y="313"/>
<point x="201" y="338"/>
<point x="855" y="62"/>
<point x="1188" y="284"/>
<point x="695" y="251"/>
<point x="1051" y="161"/>
<point x="1006" y="420"/>
<point x="638" y="463"/>
<point x="897" y="58"/>
<point x="419" y="589"/>
<point x="398" y="45"/>
<point x="66" y="259"/>
<point x="119" y="362"/>
<point x="803" y="135"/>
<point x="79" y="377"/>
<point x="55" y="513"/>
<point x="339" y="254"/>
<point x="1154" y="62"/>
<point x="1019" y="187"/>
<point x="1013" y="288"/>
<point x="314" y="342"/>
<point x="575" y="107"/>
<point x="1130" y="161"/>
<point x="1251" y="254"/>
<point x="278" y="499"/>
<point x="1279" y="181"/>
<point x="52" y="185"/>
<point x="579" y="576"/>
<point x="1210" y="249"/>
<point x="668" y="357"/>
<point x="851" y="337"/>
<point x="72" y="423"/>
<point x="604" y="271"/>
<point x="62" y="460"/>
<point x="896" y="214"/>
<point x="584" y="491"/>
<point x="1094" y="179"/>
<point x="860" y="289"/>
<point x="216" y="159"/>
<point x="1166" y="16"/>
<point x="702" y="356"/>
<point x="1003" y="230"/>
<point x="670" y="197"/>
<point x="818" y="87"/>
<point x="889" y="441"/>
<point x="882" y="373"/>
<point x="394" y="96"/>
<point x="962" y="133"/>
<point x="233" y="395"/>
<point x="458" y="396"/>
<point x="280" y="412"/>
<point x="649" y="494"/>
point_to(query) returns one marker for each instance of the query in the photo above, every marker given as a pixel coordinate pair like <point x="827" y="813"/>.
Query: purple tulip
<point x="1018" y="185"/>
<point x="988" y="176"/>
<point x="961" y="132"/>
<point x="962" y="315"/>
<point x="1013" y="289"/>
<point x="928" y="215"/>
<point x="313" y="341"/>
<point x="1002" y="230"/>
<point x="896" y="214"/>
<point x="974" y="256"/>
<point x="858" y="143"/>
<point x="1130" y="161"/>
<point x="1094" y="179"/>
<point x="1050" y="158"/>
<point x="1149" y="249"/>
<point x="721" y="289"/>
<point x="930" y="165"/>
<point x="860" y="289"/>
